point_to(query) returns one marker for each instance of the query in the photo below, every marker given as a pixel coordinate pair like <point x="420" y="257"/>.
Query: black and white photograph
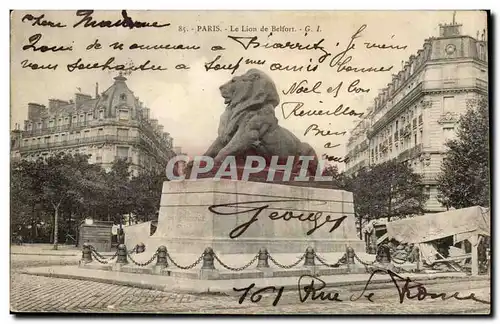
<point x="280" y="162"/>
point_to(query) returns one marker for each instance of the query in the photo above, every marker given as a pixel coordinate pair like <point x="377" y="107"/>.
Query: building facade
<point x="413" y="117"/>
<point x="111" y="125"/>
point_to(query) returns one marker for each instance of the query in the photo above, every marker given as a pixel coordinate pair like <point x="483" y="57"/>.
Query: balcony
<point x="424" y="87"/>
<point x="429" y="178"/>
<point x="162" y="145"/>
<point x="109" y="139"/>
<point x="78" y="126"/>
<point x="123" y="158"/>
<point x="410" y="153"/>
<point x="448" y="118"/>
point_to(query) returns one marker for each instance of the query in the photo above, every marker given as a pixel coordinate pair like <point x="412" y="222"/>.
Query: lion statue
<point x="249" y="122"/>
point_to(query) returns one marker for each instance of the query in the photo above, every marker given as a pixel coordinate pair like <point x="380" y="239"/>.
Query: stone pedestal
<point x="188" y="221"/>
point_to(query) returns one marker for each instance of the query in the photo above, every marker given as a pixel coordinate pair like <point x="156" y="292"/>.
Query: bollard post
<point x="161" y="257"/>
<point x="309" y="259"/>
<point x="349" y="258"/>
<point x="263" y="261"/>
<point x="350" y="255"/>
<point x="384" y="254"/>
<point x="122" y="254"/>
<point x="86" y="253"/>
<point x="208" y="259"/>
<point x="417" y="257"/>
<point x="140" y="248"/>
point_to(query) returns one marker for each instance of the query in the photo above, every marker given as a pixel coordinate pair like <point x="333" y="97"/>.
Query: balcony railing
<point x="410" y="153"/>
<point x="82" y="141"/>
<point x="95" y="123"/>
<point x="394" y="109"/>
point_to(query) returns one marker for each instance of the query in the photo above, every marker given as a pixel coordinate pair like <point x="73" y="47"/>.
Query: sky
<point x="188" y="102"/>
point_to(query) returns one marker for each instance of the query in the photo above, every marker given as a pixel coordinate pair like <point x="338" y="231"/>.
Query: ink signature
<point x="243" y="208"/>
<point x="313" y="288"/>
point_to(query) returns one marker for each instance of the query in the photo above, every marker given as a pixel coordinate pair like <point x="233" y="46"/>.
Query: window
<point x="51" y="123"/>
<point x="66" y="120"/>
<point x="415" y="139"/>
<point x="100" y="132"/>
<point x="39" y="125"/>
<point x="86" y="133"/>
<point x="82" y="118"/>
<point x="63" y="137"/>
<point x="448" y="134"/>
<point x="30" y="126"/>
<point x="123" y="96"/>
<point x="482" y="55"/>
<point x="101" y="114"/>
<point x="448" y="104"/>
<point x="74" y="119"/>
<point x="89" y="116"/>
<point x="122" y="132"/>
<point x="122" y="152"/>
<point x="123" y="114"/>
<point x="56" y="138"/>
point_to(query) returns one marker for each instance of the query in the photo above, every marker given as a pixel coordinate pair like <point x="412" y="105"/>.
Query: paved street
<point x="34" y="293"/>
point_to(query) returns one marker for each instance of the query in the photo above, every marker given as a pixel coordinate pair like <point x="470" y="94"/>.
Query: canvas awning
<point x="459" y="223"/>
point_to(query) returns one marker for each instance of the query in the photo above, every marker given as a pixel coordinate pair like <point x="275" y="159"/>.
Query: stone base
<point x="192" y="218"/>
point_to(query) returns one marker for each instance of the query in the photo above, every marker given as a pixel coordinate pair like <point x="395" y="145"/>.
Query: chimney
<point x="35" y="110"/>
<point x="96" y="90"/>
<point x="56" y="103"/>
<point x="80" y="98"/>
<point x="160" y="129"/>
<point x="145" y="113"/>
<point x="154" y="123"/>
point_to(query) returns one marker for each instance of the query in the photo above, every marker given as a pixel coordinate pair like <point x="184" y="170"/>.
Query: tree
<point x="387" y="190"/>
<point x="119" y="193"/>
<point x="66" y="178"/>
<point x="25" y="195"/>
<point x="147" y="187"/>
<point x="464" y="180"/>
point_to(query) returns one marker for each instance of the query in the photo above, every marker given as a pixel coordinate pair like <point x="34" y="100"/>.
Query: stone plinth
<point x="187" y="223"/>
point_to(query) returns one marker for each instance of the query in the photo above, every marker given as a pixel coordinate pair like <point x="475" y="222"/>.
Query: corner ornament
<point x="426" y="104"/>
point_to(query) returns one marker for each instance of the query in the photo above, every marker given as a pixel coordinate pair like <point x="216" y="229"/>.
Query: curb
<point x="100" y="280"/>
<point x="355" y="285"/>
<point x="43" y="254"/>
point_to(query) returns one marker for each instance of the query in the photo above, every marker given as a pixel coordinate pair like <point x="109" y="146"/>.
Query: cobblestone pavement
<point x="35" y="294"/>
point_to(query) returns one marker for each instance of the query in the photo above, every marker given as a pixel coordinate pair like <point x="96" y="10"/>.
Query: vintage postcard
<point x="250" y="162"/>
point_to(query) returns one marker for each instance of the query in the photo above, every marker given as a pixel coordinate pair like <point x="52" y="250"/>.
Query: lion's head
<point x="246" y="93"/>
<point x="248" y="90"/>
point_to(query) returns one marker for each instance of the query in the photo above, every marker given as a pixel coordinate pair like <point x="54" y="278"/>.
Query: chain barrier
<point x="100" y="258"/>
<point x="133" y="250"/>
<point x="364" y="263"/>
<point x="340" y="261"/>
<point x="145" y="263"/>
<point x="92" y="248"/>
<point x="194" y="264"/>
<point x="237" y="269"/>
<point x="286" y="266"/>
